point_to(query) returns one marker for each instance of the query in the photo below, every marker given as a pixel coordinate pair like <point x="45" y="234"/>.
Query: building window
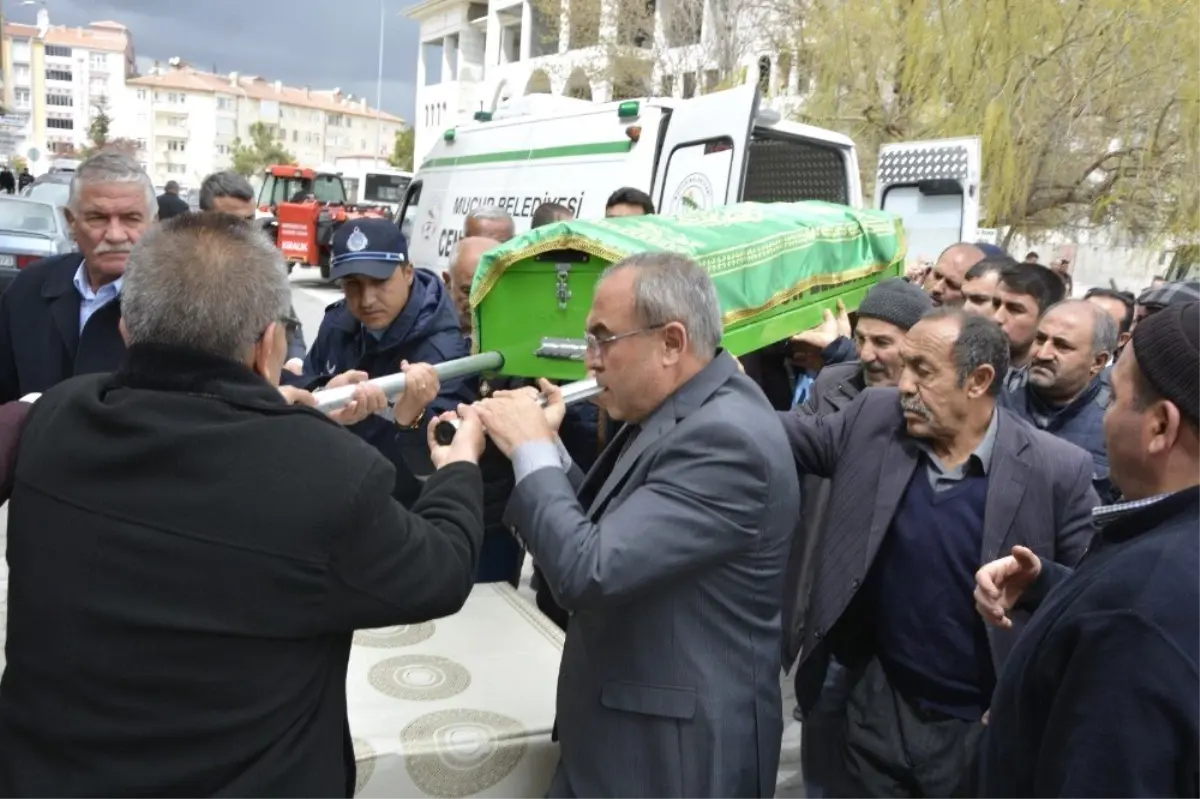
<point x="21" y="72"/>
<point x="176" y="98"/>
<point x="61" y="147"/>
<point x="225" y="103"/>
<point x="141" y="94"/>
<point x="60" y="100"/>
<point x="58" y="50"/>
<point x="176" y="169"/>
<point x="99" y="60"/>
<point x="176" y="145"/>
<point x="60" y="74"/>
<point x="60" y="124"/>
<point x="21" y="97"/>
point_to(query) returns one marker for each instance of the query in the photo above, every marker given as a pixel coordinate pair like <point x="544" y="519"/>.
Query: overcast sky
<point x="319" y="43"/>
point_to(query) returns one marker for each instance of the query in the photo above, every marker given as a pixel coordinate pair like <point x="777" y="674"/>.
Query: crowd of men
<point x="965" y="515"/>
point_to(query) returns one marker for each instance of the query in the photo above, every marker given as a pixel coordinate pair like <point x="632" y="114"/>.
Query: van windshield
<point x="382" y="188"/>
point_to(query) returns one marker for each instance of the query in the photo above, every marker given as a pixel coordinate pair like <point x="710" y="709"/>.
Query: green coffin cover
<point x="759" y="255"/>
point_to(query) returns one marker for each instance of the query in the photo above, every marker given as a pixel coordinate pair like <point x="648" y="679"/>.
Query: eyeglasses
<point x="598" y="343"/>
<point x="290" y="325"/>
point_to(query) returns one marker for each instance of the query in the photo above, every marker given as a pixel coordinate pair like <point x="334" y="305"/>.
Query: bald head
<point x="464" y="259"/>
<point x="946" y="280"/>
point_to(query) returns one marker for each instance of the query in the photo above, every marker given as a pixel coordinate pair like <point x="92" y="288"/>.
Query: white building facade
<point x="187" y="121"/>
<point x="476" y="54"/>
<point x="61" y="78"/>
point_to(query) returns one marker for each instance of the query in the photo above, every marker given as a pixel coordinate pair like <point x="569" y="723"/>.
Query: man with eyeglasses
<point x="230" y="193"/>
<point x="672" y="547"/>
<point x="190" y="555"/>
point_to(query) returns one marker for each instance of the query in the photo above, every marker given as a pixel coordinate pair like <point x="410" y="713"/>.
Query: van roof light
<point x="628" y="109"/>
<point x="448" y="135"/>
<point x="483" y="116"/>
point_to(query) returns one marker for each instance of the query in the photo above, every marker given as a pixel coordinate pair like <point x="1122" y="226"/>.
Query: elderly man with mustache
<point x="885" y="315"/>
<point x="931" y="479"/>
<point x="59" y="317"/>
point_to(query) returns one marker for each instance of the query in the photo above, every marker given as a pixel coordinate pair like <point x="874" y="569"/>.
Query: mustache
<point x="104" y="247"/>
<point x="1047" y="365"/>
<point x="875" y="367"/>
<point x="914" y="405"/>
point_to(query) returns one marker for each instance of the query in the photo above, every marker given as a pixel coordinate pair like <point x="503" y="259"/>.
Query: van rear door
<point x="934" y="187"/>
<point x="702" y="159"/>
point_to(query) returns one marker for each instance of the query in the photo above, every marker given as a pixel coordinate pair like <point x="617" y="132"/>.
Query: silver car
<point x="29" y="231"/>
<point x="53" y="187"/>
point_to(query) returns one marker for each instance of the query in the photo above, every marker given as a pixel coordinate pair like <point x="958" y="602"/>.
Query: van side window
<point x="783" y="169"/>
<point x="408" y="214"/>
<point x="697" y="176"/>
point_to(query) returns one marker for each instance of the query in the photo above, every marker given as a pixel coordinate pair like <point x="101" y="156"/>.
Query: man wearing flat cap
<point x="393" y="318"/>
<point x="890" y="308"/>
<point x="1100" y="695"/>
<point x="1163" y="295"/>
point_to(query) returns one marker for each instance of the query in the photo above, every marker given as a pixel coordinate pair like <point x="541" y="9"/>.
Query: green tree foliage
<point x="402" y="150"/>
<point x="98" y="133"/>
<point x="1087" y="108"/>
<point x="262" y="151"/>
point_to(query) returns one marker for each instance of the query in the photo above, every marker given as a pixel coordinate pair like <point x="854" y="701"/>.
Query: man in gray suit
<point x="930" y="479"/>
<point x="669" y="554"/>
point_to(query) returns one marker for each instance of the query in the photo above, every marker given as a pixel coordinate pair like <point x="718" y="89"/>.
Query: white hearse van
<point x="691" y="154"/>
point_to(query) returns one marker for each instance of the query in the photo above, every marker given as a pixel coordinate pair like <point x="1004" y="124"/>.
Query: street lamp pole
<point x="379" y="86"/>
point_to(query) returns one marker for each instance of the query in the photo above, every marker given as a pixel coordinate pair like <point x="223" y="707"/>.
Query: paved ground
<point x="310" y="297"/>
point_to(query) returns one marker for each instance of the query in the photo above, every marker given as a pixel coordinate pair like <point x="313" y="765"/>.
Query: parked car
<point x="30" y="230"/>
<point x="52" y="187"/>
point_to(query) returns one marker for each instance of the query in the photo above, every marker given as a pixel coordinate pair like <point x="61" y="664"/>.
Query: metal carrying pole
<point x="332" y="399"/>
<point x="579" y="391"/>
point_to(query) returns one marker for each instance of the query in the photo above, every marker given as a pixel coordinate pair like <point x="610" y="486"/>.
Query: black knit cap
<point x="1167" y="348"/>
<point x="897" y="301"/>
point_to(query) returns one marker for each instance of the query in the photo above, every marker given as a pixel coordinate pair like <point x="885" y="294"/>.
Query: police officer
<point x="393" y="318"/>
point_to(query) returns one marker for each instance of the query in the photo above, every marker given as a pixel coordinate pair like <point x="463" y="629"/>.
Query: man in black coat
<point x="170" y="203"/>
<point x="190" y="554"/>
<point x="1100" y="696"/>
<point x="59" y="317"/>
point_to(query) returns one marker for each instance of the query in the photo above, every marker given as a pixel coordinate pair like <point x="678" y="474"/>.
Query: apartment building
<point x="188" y="120"/>
<point x="61" y="77"/>
<point x="476" y="54"/>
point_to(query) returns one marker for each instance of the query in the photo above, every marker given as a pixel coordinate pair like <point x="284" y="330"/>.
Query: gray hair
<point x="111" y="166"/>
<point x="673" y="288"/>
<point x="493" y="213"/>
<point x="208" y="282"/>
<point x="1105" y="332"/>
<point x="980" y="342"/>
<point x="224" y="184"/>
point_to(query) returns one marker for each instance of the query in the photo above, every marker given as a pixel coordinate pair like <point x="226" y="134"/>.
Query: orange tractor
<point x="307" y="206"/>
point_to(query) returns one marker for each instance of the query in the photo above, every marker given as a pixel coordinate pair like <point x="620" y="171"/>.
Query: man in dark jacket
<point x="885" y="315"/>
<point x="190" y="555"/>
<point x="59" y="317"/>
<point x="393" y="316"/>
<point x="893" y="603"/>
<point x="1066" y="392"/>
<point x="170" y="203"/>
<point x="1100" y="695"/>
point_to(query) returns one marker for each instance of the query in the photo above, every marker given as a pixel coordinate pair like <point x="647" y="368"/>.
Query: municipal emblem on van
<point x="695" y="193"/>
<point x="357" y="241"/>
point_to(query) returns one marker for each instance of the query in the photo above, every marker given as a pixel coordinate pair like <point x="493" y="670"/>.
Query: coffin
<point x="776" y="266"/>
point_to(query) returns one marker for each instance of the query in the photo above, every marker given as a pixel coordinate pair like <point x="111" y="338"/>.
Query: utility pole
<point x="379" y="86"/>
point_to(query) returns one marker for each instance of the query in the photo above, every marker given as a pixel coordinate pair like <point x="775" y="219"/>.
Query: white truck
<point x="686" y="154"/>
